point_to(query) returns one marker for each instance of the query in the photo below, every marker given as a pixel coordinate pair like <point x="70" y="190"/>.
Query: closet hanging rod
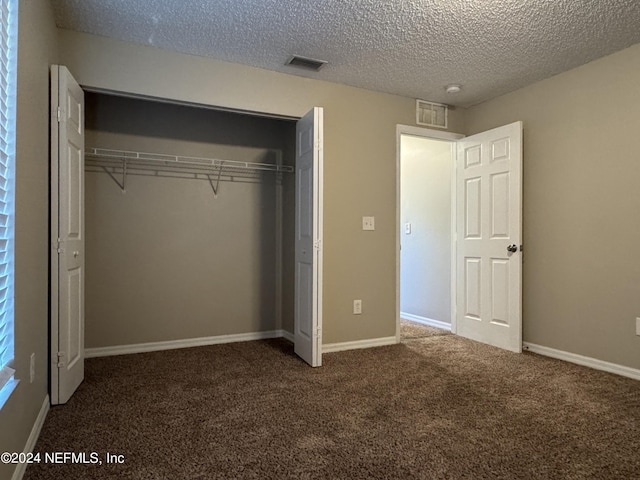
<point x="161" y="159"/>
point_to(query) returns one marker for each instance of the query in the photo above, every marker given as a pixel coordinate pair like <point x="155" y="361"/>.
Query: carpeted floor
<point x="441" y="407"/>
<point x="412" y="330"/>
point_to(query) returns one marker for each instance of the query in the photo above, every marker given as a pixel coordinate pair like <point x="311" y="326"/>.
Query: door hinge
<point x="317" y="244"/>
<point x="59" y="248"/>
<point x="61" y="361"/>
<point x="59" y="114"/>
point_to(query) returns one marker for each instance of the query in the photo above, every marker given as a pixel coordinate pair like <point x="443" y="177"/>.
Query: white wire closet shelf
<point x="120" y="163"/>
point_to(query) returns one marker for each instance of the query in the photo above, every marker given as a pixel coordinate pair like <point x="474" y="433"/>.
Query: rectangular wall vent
<point x="431" y="114"/>
<point x="306" y="63"/>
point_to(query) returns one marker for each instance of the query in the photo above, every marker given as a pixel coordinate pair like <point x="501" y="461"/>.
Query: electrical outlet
<point x="357" y="307"/>
<point x="32" y="368"/>
<point x="637" y="325"/>
<point x="368" y="223"/>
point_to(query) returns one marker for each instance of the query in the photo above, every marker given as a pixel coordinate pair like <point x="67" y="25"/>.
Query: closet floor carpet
<point x="440" y="407"/>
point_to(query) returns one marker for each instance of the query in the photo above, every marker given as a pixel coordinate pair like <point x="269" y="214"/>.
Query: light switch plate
<point x="357" y="307"/>
<point x="407" y="228"/>
<point x="368" y="223"/>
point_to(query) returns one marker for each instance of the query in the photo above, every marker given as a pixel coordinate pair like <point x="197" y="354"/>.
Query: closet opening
<point x="177" y="225"/>
<point x="190" y="225"/>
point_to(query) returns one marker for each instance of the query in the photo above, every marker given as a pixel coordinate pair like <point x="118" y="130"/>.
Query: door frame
<point x="54" y="290"/>
<point x="434" y="135"/>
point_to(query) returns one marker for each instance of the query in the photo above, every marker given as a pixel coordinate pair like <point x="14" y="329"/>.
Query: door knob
<point x="76" y="253"/>
<point x="512" y="248"/>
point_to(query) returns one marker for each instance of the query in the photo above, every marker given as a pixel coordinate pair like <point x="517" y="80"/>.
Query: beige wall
<point x="359" y="154"/>
<point x="166" y="260"/>
<point x="581" y="202"/>
<point x="425" y="202"/>
<point x="37" y="48"/>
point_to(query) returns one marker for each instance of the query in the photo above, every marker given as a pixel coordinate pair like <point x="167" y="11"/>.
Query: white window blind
<point x="8" y="66"/>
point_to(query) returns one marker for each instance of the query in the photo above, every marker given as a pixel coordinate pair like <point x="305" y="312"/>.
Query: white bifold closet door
<point x="308" y="244"/>
<point x="67" y="235"/>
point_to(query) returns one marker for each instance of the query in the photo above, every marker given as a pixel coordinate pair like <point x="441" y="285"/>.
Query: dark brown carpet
<point x="411" y="330"/>
<point x="438" y="408"/>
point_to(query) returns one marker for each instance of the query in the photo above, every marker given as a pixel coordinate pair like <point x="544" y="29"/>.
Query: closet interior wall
<point x="166" y="260"/>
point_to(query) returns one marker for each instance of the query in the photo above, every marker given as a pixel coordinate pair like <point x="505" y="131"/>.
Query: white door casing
<point x="308" y="244"/>
<point x="67" y="235"/>
<point x="489" y="224"/>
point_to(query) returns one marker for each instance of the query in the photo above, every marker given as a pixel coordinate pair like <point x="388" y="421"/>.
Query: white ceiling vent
<point x="431" y="114"/>
<point x="306" y="63"/>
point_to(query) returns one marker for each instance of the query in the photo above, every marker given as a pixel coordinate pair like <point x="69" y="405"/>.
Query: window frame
<point x="8" y="108"/>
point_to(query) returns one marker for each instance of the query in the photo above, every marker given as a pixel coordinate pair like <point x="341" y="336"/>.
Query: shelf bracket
<point x="217" y="185"/>
<point x="121" y="184"/>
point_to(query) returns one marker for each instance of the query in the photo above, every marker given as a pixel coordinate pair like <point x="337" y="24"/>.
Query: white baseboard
<point x="18" y="473"/>
<point x="582" y="360"/>
<point x="425" y="321"/>
<point x="288" y="336"/>
<point x="185" y="343"/>
<point x="373" y="342"/>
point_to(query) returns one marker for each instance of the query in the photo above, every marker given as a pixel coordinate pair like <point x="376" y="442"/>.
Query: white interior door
<point x="67" y="228"/>
<point x="308" y="273"/>
<point x="489" y="237"/>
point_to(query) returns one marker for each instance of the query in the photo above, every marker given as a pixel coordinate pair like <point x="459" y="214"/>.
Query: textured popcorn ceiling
<point x="407" y="47"/>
